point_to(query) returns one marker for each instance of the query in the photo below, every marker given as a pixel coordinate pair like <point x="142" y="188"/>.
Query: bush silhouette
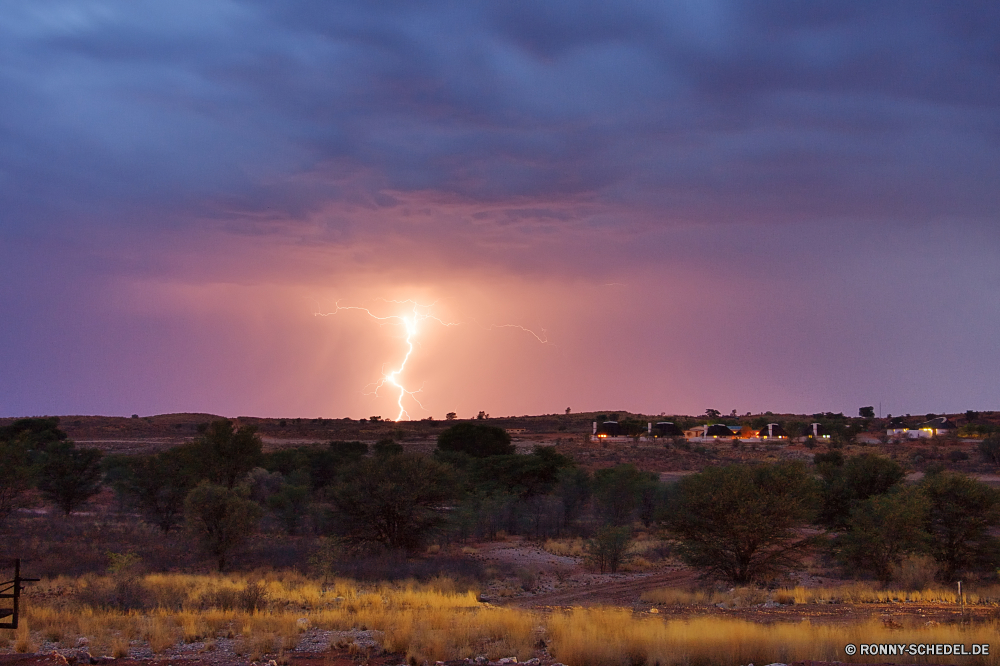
<point x="962" y="512"/>
<point x="740" y="523"/>
<point x="69" y="476"/>
<point x="396" y="501"/>
<point x="220" y="519"/>
<point x="609" y="549"/>
<point x="478" y="441"/>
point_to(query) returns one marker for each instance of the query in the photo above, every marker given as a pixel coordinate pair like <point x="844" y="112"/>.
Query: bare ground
<point x="564" y="582"/>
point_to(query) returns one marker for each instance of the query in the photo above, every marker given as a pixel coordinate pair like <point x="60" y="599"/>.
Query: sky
<point x="658" y="207"/>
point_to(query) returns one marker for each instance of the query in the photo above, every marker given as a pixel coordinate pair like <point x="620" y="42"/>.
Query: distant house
<point x="815" y="431"/>
<point x="515" y="431"/>
<point x="714" y="431"/>
<point x="719" y="430"/>
<point x="773" y="431"/>
<point x="666" y="429"/>
<point x="607" y="429"/>
<point x="897" y="427"/>
<point x="939" y="426"/>
<point x="743" y="431"/>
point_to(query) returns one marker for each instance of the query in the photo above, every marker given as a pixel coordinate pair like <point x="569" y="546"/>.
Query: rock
<point x="482" y="659"/>
<point x="82" y="641"/>
<point x="533" y="662"/>
<point x="654" y="610"/>
<point x="79" y="656"/>
<point x="508" y="660"/>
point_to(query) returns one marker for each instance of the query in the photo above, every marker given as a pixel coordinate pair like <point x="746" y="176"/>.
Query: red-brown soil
<point x="332" y="658"/>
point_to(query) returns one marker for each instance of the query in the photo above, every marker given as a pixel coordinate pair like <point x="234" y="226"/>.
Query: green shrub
<point x="609" y="549"/>
<point x="479" y="441"/>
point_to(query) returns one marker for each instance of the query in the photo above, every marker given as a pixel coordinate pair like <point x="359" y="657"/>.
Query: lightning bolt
<point x="541" y="338"/>
<point x="410" y="323"/>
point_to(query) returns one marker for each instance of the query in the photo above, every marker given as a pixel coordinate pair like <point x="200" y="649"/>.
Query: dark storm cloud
<point x="144" y="113"/>
<point x="181" y="182"/>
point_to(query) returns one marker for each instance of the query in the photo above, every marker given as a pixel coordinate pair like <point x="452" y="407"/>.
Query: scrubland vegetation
<point x="854" y="593"/>
<point x="607" y="636"/>
<point x="267" y="615"/>
<point x="347" y="536"/>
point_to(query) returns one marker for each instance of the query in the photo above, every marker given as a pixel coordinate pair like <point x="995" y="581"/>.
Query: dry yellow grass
<point x="578" y="548"/>
<point x="674" y="596"/>
<point x="613" y="637"/>
<point x="858" y="593"/>
<point x="435" y="621"/>
<point x="119" y="647"/>
<point x="566" y="547"/>
<point x="22" y="639"/>
<point x="429" y="621"/>
<point x="159" y="633"/>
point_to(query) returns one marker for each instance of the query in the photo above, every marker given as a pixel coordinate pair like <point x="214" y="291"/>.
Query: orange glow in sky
<point x="410" y="324"/>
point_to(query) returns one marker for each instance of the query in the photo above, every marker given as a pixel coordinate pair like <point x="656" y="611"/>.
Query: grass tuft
<point x="857" y="593"/>
<point x="440" y="621"/>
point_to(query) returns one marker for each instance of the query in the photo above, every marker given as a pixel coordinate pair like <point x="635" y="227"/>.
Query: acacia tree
<point x="220" y="519"/>
<point x="618" y="490"/>
<point x="478" y="441"/>
<point x="290" y="503"/>
<point x="22" y="444"/>
<point x="882" y="530"/>
<point x="609" y="549"/>
<point x="739" y="523"/>
<point x="34" y="433"/>
<point x="230" y="452"/>
<point x="852" y="481"/>
<point x="989" y="449"/>
<point x="520" y="475"/>
<point x="387" y="447"/>
<point x="225" y="454"/>
<point x="159" y="485"/>
<point x="16" y="477"/>
<point x="396" y="501"/>
<point x="961" y="513"/>
<point x="574" y="490"/>
<point x="69" y="476"/>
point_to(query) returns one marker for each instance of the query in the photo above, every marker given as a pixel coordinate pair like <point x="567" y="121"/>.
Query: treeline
<point x="748" y="524"/>
<point x="36" y="453"/>
<point x="741" y="523"/>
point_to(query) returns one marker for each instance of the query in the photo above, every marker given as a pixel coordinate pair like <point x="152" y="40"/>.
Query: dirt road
<point x="614" y="593"/>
